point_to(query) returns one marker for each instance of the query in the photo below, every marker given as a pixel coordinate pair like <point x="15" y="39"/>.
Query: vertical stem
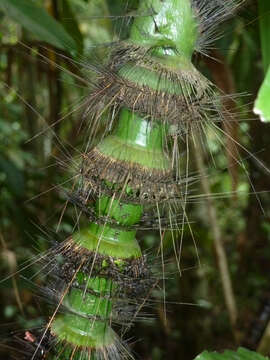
<point x="223" y="78"/>
<point x="151" y="94"/>
<point x="218" y="243"/>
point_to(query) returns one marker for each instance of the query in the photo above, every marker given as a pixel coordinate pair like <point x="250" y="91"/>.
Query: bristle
<point x="98" y="279"/>
<point x="210" y="15"/>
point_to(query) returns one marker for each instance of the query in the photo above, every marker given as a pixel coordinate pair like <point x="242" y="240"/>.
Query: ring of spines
<point x="101" y="175"/>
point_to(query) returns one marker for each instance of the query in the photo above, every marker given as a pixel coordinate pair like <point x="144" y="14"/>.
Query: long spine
<point x="152" y="94"/>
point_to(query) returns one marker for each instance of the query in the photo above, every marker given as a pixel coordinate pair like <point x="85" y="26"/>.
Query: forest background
<point x="40" y="139"/>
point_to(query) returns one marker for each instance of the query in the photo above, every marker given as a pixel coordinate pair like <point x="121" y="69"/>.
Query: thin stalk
<point x="217" y="237"/>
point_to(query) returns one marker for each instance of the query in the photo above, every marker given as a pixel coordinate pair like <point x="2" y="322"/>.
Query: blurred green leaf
<point x="14" y="177"/>
<point x="36" y="20"/>
<point x="71" y="25"/>
<point x="262" y="103"/>
<point x="241" y="354"/>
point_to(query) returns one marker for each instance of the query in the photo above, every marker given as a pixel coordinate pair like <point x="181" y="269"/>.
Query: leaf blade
<point x="36" y="20"/>
<point x="240" y="354"/>
<point x="262" y="102"/>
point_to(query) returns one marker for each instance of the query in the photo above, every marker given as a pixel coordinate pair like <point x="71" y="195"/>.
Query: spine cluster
<point x="150" y="95"/>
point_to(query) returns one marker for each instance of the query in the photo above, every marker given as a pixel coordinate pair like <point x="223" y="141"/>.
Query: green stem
<point x="135" y="141"/>
<point x="170" y="29"/>
<point x="136" y="145"/>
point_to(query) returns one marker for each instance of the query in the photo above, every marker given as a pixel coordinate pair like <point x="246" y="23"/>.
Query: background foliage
<point x="39" y="85"/>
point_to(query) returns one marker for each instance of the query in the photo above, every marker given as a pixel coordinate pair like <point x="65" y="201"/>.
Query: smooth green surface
<point x="85" y="303"/>
<point x="155" y="80"/>
<point x="124" y="214"/>
<point x="36" y="20"/>
<point x="88" y="304"/>
<point x="82" y="332"/>
<point x="117" y="149"/>
<point x="138" y="131"/>
<point x="241" y="354"/>
<point x="81" y="328"/>
<point x="95" y="283"/>
<point x="137" y="141"/>
<point x="262" y="103"/>
<point x="169" y="29"/>
<point x="108" y="241"/>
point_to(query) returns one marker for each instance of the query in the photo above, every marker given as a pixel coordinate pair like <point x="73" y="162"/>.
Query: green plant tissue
<point x="262" y="103"/>
<point x="240" y="354"/>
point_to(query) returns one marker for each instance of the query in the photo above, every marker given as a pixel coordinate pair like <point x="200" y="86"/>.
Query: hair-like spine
<point x="150" y="95"/>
